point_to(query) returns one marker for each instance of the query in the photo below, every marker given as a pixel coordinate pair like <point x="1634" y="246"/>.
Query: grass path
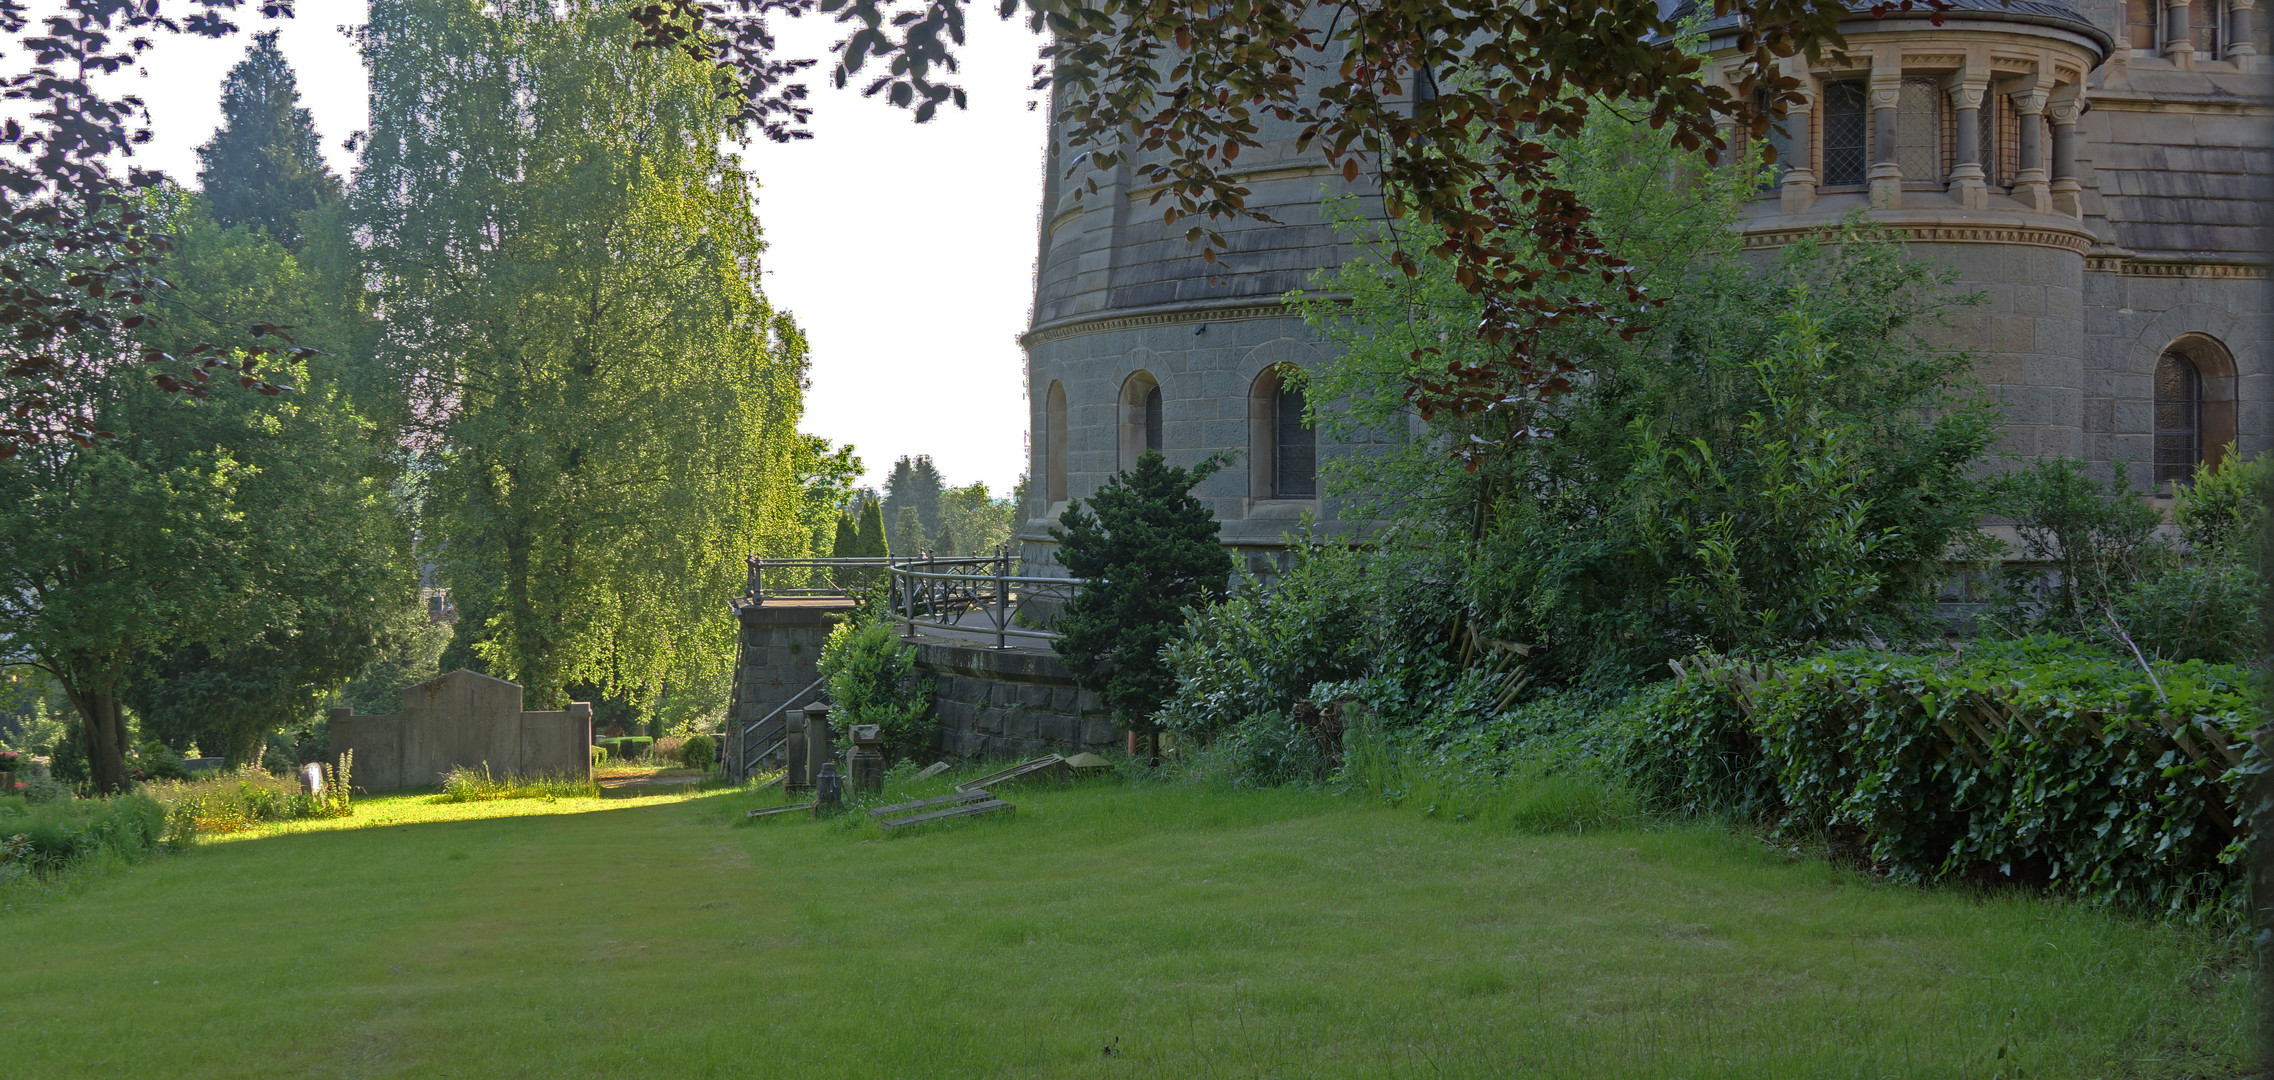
<point x="1197" y="933"/>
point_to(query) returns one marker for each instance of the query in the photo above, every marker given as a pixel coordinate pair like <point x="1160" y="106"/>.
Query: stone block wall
<point x="1011" y="703"/>
<point x="462" y="720"/>
<point x="780" y="657"/>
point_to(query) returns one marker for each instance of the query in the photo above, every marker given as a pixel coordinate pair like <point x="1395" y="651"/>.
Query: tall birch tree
<point x="567" y="260"/>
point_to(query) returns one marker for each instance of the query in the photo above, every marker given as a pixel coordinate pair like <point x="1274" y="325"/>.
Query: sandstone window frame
<point x="1141" y="427"/>
<point x="1282" y="449"/>
<point x="2192" y="418"/>
<point x="2147" y="28"/>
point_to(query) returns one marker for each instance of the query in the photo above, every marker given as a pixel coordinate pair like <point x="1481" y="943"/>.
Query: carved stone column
<point x="1968" y="184"/>
<point x="1798" y="191"/>
<point x="2029" y="180"/>
<point x="2063" y="188"/>
<point x="2240" y="41"/>
<point x="2178" y="35"/>
<point x="1886" y="177"/>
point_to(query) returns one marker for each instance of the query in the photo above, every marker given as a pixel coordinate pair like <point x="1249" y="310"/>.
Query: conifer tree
<point x="872" y="543"/>
<point x="848" y="540"/>
<point x="914" y="484"/>
<point x="1145" y="550"/>
<point x="265" y="166"/>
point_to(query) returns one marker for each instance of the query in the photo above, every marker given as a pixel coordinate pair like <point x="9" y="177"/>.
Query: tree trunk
<point x="102" y="724"/>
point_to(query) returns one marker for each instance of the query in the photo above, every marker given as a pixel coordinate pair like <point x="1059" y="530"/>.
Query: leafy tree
<point x="570" y="266"/>
<point x="1146" y="552"/>
<point x="979" y="522"/>
<point x="229" y="555"/>
<point x="829" y="473"/>
<point x="264" y="167"/>
<point x="1782" y="459"/>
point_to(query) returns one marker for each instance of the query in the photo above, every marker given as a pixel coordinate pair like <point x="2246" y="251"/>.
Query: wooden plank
<point x="780" y="810"/>
<point x="966" y="810"/>
<point x="1021" y="771"/>
<point x="926" y="804"/>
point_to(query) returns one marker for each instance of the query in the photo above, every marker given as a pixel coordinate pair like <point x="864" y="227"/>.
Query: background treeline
<point x="539" y="412"/>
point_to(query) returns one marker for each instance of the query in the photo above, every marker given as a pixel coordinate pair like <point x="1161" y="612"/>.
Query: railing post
<point x="1002" y="600"/>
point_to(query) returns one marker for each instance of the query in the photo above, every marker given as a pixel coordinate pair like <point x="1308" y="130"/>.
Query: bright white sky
<point x="906" y="252"/>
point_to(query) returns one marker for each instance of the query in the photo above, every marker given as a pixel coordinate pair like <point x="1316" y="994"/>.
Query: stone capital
<point x="1967" y="95"/>
<point x="1886" y="96"/>
<point x="2063" y="113"/>
<point x="2031" y="102"/>
<point x="2240" y="5"/>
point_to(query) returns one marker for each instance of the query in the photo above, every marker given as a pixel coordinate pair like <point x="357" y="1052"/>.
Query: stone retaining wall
<point x="1011" y="703"/>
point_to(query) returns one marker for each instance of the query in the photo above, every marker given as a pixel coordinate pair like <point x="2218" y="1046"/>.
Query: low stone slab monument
<point x="463" y="720"/>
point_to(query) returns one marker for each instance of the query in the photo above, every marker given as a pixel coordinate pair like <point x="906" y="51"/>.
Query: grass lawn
<point x="1195" y="933"/>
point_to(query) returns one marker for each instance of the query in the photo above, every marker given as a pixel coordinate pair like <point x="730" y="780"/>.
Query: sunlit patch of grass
<point x="1195" y="930"/>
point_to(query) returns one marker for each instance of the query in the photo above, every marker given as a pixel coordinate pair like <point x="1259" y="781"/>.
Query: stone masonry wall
<point x="1011" y="703"/>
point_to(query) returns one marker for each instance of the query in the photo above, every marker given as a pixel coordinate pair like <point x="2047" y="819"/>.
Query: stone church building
<point x="2093" y="170"/>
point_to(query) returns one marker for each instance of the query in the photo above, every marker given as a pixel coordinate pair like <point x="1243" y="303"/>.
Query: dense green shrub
<point x="1147" y="552"/>
<point x="58" y="832"/>
<point x="1262" y="650"/>
<point x="599" y="754"/>
<point x="872" y="679"/>
<point x="2102" y="567"/>
<point x="2037" y="761"/>
<point x="698" y="752"/>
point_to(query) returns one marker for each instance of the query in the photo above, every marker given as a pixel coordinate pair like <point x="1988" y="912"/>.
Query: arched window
<point x="1140" y="417"/>
<point x="1282" y="448"/>
<point x="1919" y="123"/>
<point x="2179" y="419"/>
<point x="1847" y="134"/>
<point x="1054" y="445"/>
<point x="2194" y="407"/>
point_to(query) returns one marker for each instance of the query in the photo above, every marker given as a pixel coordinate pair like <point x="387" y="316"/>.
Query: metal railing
<point x="973" y="595"/>
<point x="979" y="596"/>
<point x="769" y="726"/>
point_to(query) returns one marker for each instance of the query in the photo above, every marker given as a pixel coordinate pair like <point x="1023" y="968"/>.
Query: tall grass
<point x="250" y="796"/>
<point x="1534" y="802"/>
<point x="472" y="785"/>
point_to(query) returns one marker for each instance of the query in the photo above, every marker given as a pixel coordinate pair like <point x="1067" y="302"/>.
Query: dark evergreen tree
<point x="870" y="533"/>
<point x="1145" y="550"/>
<point x="848" y="541"/>
<point x="915" y="483"/>
<point x="265" y="166"/>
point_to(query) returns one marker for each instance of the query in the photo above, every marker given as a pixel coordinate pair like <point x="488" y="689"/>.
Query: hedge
<point x="2040" y="761"/>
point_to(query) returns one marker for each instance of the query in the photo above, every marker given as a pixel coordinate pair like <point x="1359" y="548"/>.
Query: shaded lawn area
<point x="1194" y="932"/>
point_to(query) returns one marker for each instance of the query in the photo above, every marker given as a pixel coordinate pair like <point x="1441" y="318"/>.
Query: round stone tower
<point x="1138" y="342"/>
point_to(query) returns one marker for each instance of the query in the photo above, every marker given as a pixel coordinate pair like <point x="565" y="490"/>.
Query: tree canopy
<point x="265" y="166"/>
<point x="569" y="263"/>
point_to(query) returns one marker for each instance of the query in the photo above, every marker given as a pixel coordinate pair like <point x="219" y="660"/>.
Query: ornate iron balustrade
<point x="972" y="595"/>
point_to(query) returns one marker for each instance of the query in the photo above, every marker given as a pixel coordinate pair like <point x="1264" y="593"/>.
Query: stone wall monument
<point x="463" y="720"/>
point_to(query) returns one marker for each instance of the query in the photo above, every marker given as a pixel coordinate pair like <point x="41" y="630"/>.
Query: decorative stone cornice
<point x="1106" y="322"/>
<point x="2146" y="268"/>
<point x="1933" y="234"/>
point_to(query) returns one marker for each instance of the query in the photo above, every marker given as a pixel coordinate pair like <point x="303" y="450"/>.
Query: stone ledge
<point x="1028" y="666"/>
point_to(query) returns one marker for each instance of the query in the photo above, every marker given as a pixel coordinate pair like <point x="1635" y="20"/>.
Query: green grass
<point x="1198" y="932"/>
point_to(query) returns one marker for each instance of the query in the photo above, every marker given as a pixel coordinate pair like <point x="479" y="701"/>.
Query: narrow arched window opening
<point x="1847" y="134"/>
<point x="1295" y="466"/>
<point x="2179" y="419"/>
<point x="1054" y="445"/>
<point x="1153" y="419"/>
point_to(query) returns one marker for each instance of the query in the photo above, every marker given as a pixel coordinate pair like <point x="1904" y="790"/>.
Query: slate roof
<point x="2043" y="12"/>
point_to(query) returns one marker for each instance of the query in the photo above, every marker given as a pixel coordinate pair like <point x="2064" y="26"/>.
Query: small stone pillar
<point x="1886" y="177"/>
<point x="797" y="778"/>
<point x="866" y="764"/>
<point x="2029" y="180"/>
<point x="1797" y="192"/>
<point x="2178" y="33"/>
<point x="1969" y="185"/>
<point x="819" y="751"/>
<point x="2063" y="188"/>
<point x="2241" y="41"/>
